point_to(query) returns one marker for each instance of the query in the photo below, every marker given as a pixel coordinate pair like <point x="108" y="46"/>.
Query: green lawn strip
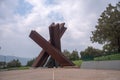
<point x="77" y="62"/>
<point x="23" y="68"/>
<point x="108" y="57"/>
<point x="16" y="68"/>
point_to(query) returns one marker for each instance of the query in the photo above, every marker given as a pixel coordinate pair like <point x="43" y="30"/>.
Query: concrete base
<point x="113" y="65"/>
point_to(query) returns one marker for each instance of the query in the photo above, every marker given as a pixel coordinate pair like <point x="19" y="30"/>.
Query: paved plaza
<point x="60" y="74"/>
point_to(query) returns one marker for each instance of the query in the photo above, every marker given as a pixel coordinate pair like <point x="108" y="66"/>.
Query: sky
<point x="19" y="17"/>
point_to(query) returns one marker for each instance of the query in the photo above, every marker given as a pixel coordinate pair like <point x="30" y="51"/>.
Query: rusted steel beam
<point x="51" y="50"/>
<point x="54" y="32"/>
<point x="42" y="58"/>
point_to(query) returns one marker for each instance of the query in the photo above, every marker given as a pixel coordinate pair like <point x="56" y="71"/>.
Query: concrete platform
<point x="60" y="74"/>
<point x="111" y="65"/>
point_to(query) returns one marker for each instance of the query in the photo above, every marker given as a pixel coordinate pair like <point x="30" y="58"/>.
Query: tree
<point x="71" y="56"/>
<point x="2" y="64"/>
<point x="108" y="29"/>
<point x="29" y="63"/>
<point x="90" y="53"/>
<point x="74" y="55"/>
<point x="67" y="53"/>
<point x="14" y="63"/>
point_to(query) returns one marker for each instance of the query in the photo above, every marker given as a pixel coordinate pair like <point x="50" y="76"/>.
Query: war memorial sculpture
<point x="51" y="55"/>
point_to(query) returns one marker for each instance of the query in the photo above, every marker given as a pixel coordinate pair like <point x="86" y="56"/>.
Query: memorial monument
<point x="51" y="55"/>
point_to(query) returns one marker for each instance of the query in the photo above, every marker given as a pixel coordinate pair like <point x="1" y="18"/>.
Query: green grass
<point x="77" y="62"/>
<point x="108" y="57"/>
<point x="15" y="68"/>
<point x="23" y="68"/>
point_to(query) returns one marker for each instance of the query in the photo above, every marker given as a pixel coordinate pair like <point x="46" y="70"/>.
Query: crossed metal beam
<point x="52" y="48"/>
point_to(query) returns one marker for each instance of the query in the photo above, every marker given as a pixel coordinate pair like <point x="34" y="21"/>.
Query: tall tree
<point x="108" y="29"/>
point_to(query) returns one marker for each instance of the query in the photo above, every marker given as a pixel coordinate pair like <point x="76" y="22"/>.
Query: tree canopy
<point x="14" y="63"/>
<point x="90" y="53"/>
<point x="72" y="56"/>
<point x="108" y="29"/>
<point x="30" y="62"/>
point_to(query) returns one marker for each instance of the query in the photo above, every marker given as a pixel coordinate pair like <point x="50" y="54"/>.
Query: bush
<point x="108" y="57"/>
<point x="77" y="62"/>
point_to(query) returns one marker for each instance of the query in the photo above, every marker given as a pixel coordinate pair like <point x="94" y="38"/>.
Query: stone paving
<point x="60" y="74"/>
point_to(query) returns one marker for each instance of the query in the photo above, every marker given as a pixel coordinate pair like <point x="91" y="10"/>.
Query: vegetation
<point x="107" y="32"/>
<point x="66" y="53"/>
<point x="77" y="62"/>
<point x="17" y="68"/>
<point x="108" y="57"/>
<point x="108" y="29"/>
<point x="72" y="56"/>
<point x="14" y="63"/>
<point x="90" y="53"/>
<point x="29" y="63"/>
<point x="2" y="64"/>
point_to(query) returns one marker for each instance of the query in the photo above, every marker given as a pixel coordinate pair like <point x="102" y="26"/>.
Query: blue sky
<point x="23" y="8"/>
<point x="19" y="17"/>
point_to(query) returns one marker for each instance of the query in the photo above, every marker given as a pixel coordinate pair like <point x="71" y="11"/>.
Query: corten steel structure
<point x="51" y="54"/>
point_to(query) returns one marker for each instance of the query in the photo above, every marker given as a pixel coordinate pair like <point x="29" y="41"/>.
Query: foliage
<point x="90" y="53"/>
<point x="108" y="57"/>
<point x="74" y="55"/>
<point x="29" y="63"/>
<point x="2" y="64"/>
<point x="71" y="56"/>
<point x="17" y="68"/>
<point x="14" y="63"/>
<point x="22" y="68"/>
<point x="66" y="53"/>
<point x="108" y="29"/>
<point x="77" y="62"/>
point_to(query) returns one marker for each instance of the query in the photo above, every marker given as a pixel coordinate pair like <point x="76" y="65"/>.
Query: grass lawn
<point x="108" y="57"/>
<point x="16" y="68"/>
<point x="77" y="62"/>
<point x="23" y="68"/>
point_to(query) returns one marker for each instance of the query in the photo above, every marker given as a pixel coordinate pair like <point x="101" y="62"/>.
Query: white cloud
<point x="6" y="8"/>
<point x="80" y="17"/>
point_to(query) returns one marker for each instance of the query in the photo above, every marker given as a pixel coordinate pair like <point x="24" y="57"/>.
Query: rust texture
<point x="51" y="54"/>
